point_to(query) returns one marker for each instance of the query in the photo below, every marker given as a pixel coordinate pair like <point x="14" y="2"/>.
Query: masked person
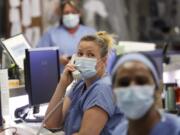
<point x="135" y="84"/>
<point x="89" y="108"/>
<point x="68" y="34"/>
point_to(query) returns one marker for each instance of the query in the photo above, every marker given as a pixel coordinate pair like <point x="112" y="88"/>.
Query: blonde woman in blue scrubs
<point x="89" y="108"/>
<point x="135" y="83"/>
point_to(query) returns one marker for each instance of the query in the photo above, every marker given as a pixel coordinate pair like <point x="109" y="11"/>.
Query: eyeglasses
<point x="126" y="81"/>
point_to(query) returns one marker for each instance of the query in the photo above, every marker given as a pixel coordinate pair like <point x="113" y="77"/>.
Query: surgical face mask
<point x="86" y="66"/>
<point x="71" y="20"/>
<point x="135" y="101"/>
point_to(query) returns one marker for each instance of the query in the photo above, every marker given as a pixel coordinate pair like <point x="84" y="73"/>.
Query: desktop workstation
<point x="41" y="73"/>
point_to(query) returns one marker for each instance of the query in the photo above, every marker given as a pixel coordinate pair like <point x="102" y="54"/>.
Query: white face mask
<point x="134" y="101"/>
<point x="71" y="20"/>
<point x="86" y="66"/>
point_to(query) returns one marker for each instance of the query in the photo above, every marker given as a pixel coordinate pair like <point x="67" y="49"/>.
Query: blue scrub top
<point x="61" y="38"/>
<point x="168" y="125"/>
<point x="66" y="42"/>
<point x="111" y="59"/>
<point x="98" y="94"/>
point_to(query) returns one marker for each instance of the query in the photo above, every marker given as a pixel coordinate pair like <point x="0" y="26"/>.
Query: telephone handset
<point x="76" y="74"/>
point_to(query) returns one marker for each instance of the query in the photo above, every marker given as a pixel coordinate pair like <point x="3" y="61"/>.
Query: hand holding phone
<point x="76" y="74"/>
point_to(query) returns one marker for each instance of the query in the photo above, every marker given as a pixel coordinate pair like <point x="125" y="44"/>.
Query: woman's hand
<point x="66" y="77"/>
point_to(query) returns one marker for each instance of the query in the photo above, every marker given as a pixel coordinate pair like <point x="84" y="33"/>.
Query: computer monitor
<point x="42" y="74"/>
<point x="16" y="46"/>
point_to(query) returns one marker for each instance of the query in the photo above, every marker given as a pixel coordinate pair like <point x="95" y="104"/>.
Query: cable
<point x="166" y="59"/>
<point x="49" y="115"/>
<point x="14" y="133"/>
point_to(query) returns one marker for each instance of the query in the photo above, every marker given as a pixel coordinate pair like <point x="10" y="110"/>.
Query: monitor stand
<point x="23" y="114"/>
<point x="34" y="117"/>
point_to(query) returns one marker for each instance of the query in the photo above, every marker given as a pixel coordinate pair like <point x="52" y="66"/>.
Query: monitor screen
<point x="16" y="46"/>
<point x="41" y="74"/>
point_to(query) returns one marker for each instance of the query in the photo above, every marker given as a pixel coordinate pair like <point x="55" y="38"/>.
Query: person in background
<point x="69" y="32"/>
<point x="89" y="108"/>
<point x="135" y="84"/>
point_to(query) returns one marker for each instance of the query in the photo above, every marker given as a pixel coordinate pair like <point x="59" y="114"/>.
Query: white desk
<point x="26" y="129"/>
<point x="23" y="128"/>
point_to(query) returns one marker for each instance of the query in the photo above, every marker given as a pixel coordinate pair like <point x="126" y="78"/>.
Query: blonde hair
<point x="103" y="39"/>
<point x="73" y="3"/>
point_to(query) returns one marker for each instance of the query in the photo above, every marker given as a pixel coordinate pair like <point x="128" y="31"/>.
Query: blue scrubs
<point x="168" y="125"/>
<point x="61" y="38"/>
<point x="99" y="94"/>
<point x="66" y="42"/>
<point x="111" y="59"/>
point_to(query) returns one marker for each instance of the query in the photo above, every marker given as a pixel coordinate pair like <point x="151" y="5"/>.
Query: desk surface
<point x="23" y="128"/>
<point x="27" y="129"/>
